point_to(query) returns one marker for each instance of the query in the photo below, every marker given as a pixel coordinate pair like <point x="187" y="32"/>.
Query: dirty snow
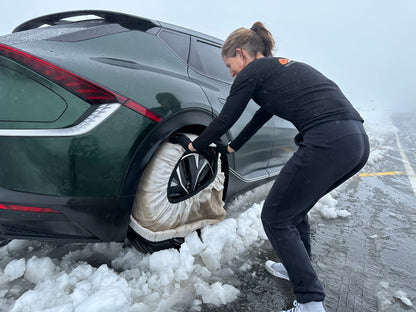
<point x="37" y="276"/>
<point x="386" y="297"/>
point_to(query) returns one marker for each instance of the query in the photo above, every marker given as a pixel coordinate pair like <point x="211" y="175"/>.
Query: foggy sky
<point x="367" y="47"/>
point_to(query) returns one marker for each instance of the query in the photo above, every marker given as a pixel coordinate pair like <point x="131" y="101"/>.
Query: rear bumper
<point x="81" y="219"/>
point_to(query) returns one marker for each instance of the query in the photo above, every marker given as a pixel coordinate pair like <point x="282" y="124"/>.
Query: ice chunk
<point x="403" y="297"/>
<point x="105" y="300"/>
<point x="217" y="293"/>
<point x="15" y="269"/>
<point x="39" y="269"/>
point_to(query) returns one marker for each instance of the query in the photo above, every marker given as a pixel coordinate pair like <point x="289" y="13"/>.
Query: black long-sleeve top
<point x="291" y="90"/>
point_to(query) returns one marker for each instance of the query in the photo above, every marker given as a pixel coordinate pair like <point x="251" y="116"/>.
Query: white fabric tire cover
<point x="155" y="218"/>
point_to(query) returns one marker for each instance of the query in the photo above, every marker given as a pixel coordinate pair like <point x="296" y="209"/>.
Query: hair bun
<point x="253" y="40"/>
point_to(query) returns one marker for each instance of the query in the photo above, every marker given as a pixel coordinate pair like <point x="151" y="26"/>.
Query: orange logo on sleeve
<point x="283" y="61"/>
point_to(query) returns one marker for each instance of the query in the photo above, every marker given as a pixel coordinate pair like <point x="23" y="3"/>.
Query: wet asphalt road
<point x="362" y="260"/>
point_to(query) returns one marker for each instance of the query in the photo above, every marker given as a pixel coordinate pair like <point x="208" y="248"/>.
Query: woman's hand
<point x="230" y="150"/>
<point x="191" y="147"/>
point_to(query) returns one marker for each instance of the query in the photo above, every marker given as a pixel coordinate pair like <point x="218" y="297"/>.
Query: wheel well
<point x="187" y="121"/>
<point x="191" y="121"/>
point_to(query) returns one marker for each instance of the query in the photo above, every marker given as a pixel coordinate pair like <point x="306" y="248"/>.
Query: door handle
<point x="222" y="100"/>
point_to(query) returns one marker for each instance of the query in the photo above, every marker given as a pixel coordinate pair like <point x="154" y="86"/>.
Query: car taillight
<point x="27" y="209"/>
<point x="141" y="110"/>
<point x="87" y="90"/>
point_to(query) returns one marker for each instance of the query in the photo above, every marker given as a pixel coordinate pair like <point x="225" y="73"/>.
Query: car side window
<point x="206" y="58"/>
<point x="179" y="43"/>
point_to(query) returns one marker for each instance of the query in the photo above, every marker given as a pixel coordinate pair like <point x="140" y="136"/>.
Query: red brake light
<point x="142" y="111"/>
<point x="88" y="91"/>
<point x="27" y="209"/>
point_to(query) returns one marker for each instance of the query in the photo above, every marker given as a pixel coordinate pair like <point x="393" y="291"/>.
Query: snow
<point x="101" y="277"/>
<point x="15" y="269"/>
<point x="126" y="280"/>
<point x="38" y="270"/>
<point x="36" y="34"/>
<point x="378" y="127"/>
<point x="386" y="297"/>
<point x="37" y="276"/>
<point x="399" y="294"/>
<point x="327" y="207"/>
<point x="217" y="293"/>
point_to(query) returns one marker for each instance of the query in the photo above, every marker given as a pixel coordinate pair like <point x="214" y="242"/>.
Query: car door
<point x="209" y="71"/>
<point x="283" y="146"/>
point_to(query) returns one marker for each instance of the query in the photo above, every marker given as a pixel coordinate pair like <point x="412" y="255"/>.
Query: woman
<point x="332" y="146"/>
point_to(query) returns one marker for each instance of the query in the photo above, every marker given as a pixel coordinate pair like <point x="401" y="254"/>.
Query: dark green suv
<point x="87" y="110"/>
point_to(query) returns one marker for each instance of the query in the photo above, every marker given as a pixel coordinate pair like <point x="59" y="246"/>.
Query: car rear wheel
<point x="178" y="193"/>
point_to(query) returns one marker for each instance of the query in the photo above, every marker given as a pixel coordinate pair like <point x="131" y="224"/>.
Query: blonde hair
<point x="253" y="40"/>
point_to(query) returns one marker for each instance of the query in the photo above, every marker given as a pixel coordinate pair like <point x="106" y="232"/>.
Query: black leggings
<point x="328" y="155"/>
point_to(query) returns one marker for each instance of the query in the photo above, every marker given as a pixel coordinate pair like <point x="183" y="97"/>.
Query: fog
<point x="366" y="47"/>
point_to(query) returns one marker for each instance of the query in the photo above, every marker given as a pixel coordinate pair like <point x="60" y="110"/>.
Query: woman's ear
<point x="239" y="51"/>
<point x="243" y="53"/>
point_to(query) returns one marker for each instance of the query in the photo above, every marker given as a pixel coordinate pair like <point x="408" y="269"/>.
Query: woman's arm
<point x="259" y="119"/>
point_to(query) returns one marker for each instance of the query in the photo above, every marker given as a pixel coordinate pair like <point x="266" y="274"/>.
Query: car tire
<point x="179" y="192"/>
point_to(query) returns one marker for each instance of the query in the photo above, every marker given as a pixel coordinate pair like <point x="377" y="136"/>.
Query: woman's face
<point x="236" y="63"/>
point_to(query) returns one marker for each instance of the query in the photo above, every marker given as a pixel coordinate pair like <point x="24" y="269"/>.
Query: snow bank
<point x="113" y="277"/>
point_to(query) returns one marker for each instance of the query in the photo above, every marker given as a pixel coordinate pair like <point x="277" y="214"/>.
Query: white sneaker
<point x="277" y="269"/>
<point x="312" y="306"/>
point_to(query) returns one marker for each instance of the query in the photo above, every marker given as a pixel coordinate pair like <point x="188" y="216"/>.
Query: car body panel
<point x="86" y="165"/>
<point x="157" y="73"/>
<point x="84" y="219"/>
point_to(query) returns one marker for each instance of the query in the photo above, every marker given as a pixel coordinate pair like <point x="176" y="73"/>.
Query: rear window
<point x="179" y="43"/>
<point x="25" y="99"/>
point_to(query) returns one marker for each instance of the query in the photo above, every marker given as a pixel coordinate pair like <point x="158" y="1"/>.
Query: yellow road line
<point x="372" y="174"/>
